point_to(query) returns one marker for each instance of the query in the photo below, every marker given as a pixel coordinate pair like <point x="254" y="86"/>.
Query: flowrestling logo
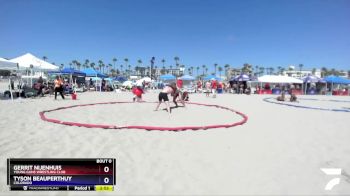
<point x="334" y="181"/>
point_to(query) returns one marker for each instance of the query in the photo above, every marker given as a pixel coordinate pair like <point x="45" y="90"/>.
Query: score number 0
<point x="106" y="170"/>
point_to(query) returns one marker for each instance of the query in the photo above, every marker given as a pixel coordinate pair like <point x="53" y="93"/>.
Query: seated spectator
<point x="282" y="97"/>
<point x="293" y="98"/>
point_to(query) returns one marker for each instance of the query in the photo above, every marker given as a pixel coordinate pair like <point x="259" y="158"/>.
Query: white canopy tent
<point x="25" y="61"/>
<point x="145" y="79"/>
<point x="278" y="79"/>
<point x="7" y="65"/>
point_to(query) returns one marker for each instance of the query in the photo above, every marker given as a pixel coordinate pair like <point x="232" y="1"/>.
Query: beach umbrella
<point x="187" y="77"/>
<point x="167" y="77"/>
<point x="127" y="83"/>
<point x="146" y="79"/>
<point x="108" y="79"/>
<point x="211" y="77"/>
<point x="240" y="78"/>
<point x="311" y="79"/>
<point x="96" y="78"/>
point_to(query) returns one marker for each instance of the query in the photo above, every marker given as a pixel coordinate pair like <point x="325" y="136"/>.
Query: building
<point x="141" y="71"/>
<point x="232" y="72"/>
<point x="300" y="74"/>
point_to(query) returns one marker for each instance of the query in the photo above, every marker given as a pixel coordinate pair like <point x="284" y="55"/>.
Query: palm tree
<point x="246" y="68"/>
<point x="220" y="70"/>
<point x="126" y="60"/>
<point x="103" y="68"/>
<point x="300" y="67"/>
<point x="149" y="68"/>
<point x="121" y="69"/>
<point x="226" y="69"/>
<point x="282" y="70"/>
<point x="110" y="66"/>
<point x="197" y="69"/>
<point x="92" y="65"/>
<point x="139" y="62"/>
<point x="262" y="70"/>
<point x="74" y="62"/>
<point x="177" y="59"/>
<point x="206" y="70"/>
<point x="203" y="67"/>
<point x="279" y="70"/>
<point x="313" y="71"/>
<point x="256" y="69"/>
<point x="100" y="63"/>
<point x="163" y="61"/>
<point x="129" y="66"/>
<point x="156" y="72"/>
<point x="215" y="65"/>
<point x="113" y="72"/>
<point x="163" y="70"/>
<point x="182" y="67"/>
<point x="78" y="65"/>
<point x="44" y="58"/>
<point x="86" y="64"/>
<point x="114" y="61"/>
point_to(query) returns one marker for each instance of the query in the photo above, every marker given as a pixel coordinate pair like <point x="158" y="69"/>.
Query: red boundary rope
<point x="183" y="128"/>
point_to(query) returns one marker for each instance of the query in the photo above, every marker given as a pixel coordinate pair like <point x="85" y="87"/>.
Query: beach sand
<point x="279" y="151"/>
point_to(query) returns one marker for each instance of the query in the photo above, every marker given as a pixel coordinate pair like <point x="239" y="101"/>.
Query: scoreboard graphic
<point x="61" y="174"/>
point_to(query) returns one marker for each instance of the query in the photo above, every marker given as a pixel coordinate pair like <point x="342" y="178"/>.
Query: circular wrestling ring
<point x="148" y="128"/>
<point x="308" y="107"/>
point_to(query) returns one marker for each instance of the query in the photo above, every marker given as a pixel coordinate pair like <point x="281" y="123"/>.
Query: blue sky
<point x="267" y="33"/>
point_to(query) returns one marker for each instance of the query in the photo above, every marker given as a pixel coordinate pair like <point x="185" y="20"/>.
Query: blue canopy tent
<point x="68" y="71"/>
<point x="121" y="79"/>
<point x="336" y="80"/>
<point x="167" y="77"/>
<point x="75" y="76"/>
<point x="93" y="73"/>
<point x="211" y="77"/>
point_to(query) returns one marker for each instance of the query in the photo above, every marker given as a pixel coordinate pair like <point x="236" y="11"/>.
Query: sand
<point x="279" y="151"/>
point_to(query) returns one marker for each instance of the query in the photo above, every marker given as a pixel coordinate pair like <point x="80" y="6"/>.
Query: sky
<point x="269" y="33"/>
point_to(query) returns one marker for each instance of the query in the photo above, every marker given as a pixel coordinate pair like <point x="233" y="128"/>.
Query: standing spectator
<point x="91" y="84"/>
<point x="214" y="87"/>
<point x="103" y="85"/>
<point x="40" y="86"/>
<point x="179" y="83"/>
<point x="207" y="88"/>
<point x="59" y="87"/>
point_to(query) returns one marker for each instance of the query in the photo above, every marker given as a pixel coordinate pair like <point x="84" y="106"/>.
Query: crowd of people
<point x="210" y="88"/>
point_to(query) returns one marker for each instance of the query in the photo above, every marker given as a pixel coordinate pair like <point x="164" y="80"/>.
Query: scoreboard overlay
<point x="61" y="174"/>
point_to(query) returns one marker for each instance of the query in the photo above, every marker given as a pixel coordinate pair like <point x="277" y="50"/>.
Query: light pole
<point x="31" y="75"/>
<point x="152" y="63"/>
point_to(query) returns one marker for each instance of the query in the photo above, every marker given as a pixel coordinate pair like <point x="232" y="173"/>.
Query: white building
<point x="300" y="74"/>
